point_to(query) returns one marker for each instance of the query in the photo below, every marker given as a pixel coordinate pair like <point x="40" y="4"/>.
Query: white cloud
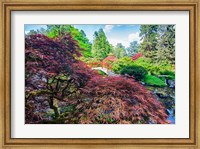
<point x="108" y="28"/>
<point x="115" y="41"/>
<point x="26" y="32"/>
<point x="134" y="37"/>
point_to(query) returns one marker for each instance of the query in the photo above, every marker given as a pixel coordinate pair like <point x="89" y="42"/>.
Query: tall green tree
<point x="158" y="43"/>
<point x="148" y="34"/>
<point x="133" y="48"/>
<point x="101" y="47"/>
<point x="83" y="41"/>
<point x="119" y="50"/>
<point x="55" y="31"/>
<point x="80" y="36"/>
<point x="166" y="44"/>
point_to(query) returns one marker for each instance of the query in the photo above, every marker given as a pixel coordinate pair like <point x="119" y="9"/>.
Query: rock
<point x="161" y="94"/>
<point x="170" y="83"/>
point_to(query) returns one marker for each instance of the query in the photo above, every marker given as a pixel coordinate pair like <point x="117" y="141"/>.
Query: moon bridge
<point x="105" y="70"/>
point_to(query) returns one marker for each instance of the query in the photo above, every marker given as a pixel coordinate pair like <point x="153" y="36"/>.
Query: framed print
<point x="100" y="74"/>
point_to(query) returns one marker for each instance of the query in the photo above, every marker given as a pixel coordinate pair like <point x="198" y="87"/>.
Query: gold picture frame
<point x="143" y="5"/>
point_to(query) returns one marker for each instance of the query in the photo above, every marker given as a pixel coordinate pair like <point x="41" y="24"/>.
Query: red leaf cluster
<point x="120" y="100"/>
<point x="136" y="56"/>
<point x="110" y="58"/>
<point x="106" y="63"/>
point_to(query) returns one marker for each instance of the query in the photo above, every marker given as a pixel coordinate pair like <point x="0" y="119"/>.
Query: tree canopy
<point x="80" y="36"/>
<point x="158" y="43"/>
<point x="119" y="51"/>
<point x="101" y="47"/>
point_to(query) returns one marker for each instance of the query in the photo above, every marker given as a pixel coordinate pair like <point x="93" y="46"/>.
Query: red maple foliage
<point x="52" y="73"/>
<point x="110" y="58"/>
<point x="107" y="62"/>
<point x="136" y="56"/>
<point x="120" y="100"/>
<point x="94" y="64"/>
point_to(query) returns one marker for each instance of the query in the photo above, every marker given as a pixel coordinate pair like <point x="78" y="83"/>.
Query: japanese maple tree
<point x="52" y="72"/>
<point x="120" y="100"/>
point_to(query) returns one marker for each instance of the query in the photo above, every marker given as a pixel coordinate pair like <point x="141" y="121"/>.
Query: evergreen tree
<point x="101" y="47"/>
<point x="166" y="44"/>
<point x="133" y="48"/>
<point x="119" y="50"/>
<point x="158" y="43"/>
<point x="148" y="34"/>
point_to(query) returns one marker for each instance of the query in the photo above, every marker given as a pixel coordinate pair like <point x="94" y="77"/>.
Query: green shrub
<point x="152" y="80"/>
<point x="137" y="71"/>
<point x="152" y="68"/>
<point x="121" y="63"/>
<point x="170" y="74"/>
<point x="171" y="77"/>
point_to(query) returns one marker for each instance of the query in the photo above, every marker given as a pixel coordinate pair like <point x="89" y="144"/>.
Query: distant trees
<point x="119" y="51"/>
<point x="158" y="43"/>
<point x="166" y="44"/>
<point x="148" y="34"/>
<point x="32" y="32"/>
<point x="133" y="48"/>
<point x="101" y="47"/>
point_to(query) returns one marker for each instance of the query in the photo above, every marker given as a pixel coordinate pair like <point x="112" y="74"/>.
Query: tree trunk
<point x="55" y="109"/>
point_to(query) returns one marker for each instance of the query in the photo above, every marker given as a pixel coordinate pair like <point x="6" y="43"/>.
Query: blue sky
<point x="115" y="33"/>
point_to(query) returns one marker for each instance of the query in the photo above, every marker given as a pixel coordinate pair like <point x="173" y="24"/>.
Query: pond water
<point x="171" y="116"/>
<point x="166" y="95"/>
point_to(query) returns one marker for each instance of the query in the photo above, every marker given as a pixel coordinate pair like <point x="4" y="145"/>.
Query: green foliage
<point x="152" y="80"/>
<point x="120" y="63"/>
<point x="88" y="59"/>
<point x="151" y="68"/>
<point x="166" y="44"/>
<point x="154" y="69"/>
<point x="80" y="36"/>
<point x="148" y="34"/>
<point x="83" y="41"/>
<point x="137" y="71"/>
<point x="158" y="43"/>
<point x="133" y="48"/>
<point x="170" y="74"/>
<point x="101" y="47"/>
<point x="119" y="51"/>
